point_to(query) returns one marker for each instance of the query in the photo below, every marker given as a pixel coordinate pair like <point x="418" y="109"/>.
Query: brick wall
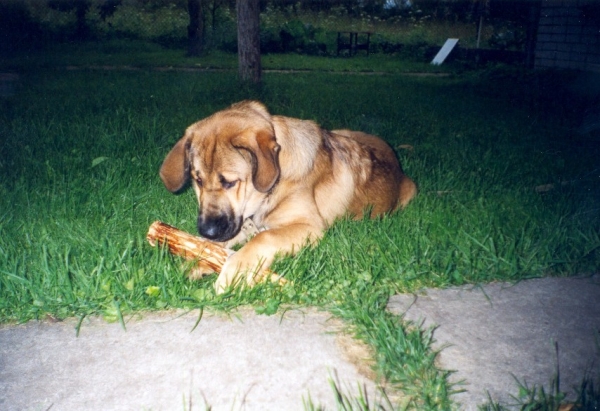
<point x="569" y="35"/>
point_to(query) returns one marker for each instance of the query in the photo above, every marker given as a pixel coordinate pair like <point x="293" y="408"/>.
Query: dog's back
<point x="386" y="187"/>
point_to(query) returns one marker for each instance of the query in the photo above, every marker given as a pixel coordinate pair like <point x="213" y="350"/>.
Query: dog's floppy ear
<point x="251" y="105"/>
<point x="175" y="169"/>
<point x="264" y="151"/>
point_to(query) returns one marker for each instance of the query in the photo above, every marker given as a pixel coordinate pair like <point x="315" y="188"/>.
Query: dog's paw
<point x="227" y="280"/>
<point x="236" y="274"/>
<point x="223" y="284"/>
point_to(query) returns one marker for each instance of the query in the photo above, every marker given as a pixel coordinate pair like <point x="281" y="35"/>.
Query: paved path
<point x="495" y="332"/>
<point x="245" y="362"/>
<point x="252" y="362"/>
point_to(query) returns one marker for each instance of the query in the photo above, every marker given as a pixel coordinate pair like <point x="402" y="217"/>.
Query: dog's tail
<point x="408" y="189"/>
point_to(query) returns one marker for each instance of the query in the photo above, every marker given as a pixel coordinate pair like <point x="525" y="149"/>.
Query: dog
<point x="290" y="177"/>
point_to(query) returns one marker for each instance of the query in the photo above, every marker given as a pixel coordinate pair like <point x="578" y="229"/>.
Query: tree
<point x="82" y="31"/>
<point x="213" y="6"/>
<point x="248" y="17"/>
<point x="195" y="28"/>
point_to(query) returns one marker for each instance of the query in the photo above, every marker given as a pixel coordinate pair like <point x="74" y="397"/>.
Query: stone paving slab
<point x="497" y="331"/>
<point x="246" y="362"/>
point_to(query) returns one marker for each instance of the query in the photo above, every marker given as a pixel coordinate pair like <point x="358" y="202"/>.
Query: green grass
<point x="81" y="149"/>
<point x="537" y="398"/>
<point x="143" y="54"/>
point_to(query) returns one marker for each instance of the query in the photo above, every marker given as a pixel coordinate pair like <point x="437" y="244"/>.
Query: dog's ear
<point x="264" y="151"/>
<point x="254" y="106"/>
<point x="175" y="169"/>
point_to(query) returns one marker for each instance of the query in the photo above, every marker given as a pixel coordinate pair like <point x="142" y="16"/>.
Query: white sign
<point x="444" y="51"/>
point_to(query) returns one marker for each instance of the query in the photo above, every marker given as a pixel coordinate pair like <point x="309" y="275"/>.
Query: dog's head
<point x="231" y="159"/>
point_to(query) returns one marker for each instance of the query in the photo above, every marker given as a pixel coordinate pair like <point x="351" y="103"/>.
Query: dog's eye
<point x="199" y="181"/>
<point x="227" y="184"/>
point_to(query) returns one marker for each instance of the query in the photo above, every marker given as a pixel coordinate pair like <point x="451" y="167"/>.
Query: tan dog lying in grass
<point x="292" y="178"/>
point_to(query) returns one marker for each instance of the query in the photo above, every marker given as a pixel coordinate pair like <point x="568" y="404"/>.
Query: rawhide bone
<point x="205" y="253"/>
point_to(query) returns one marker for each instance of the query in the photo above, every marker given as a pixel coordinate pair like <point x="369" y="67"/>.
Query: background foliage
<point x="303" y="26"/>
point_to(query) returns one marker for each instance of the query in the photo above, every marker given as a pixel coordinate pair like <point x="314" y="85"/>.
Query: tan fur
<point x="289" y="175"/>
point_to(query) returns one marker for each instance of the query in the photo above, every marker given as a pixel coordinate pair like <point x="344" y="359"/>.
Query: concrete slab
<point x="498" y="331"/>
<point x="250" y="362"/>
<point x="255" y="362"/>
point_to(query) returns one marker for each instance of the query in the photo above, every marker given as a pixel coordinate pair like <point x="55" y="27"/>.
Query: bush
<point x="222" y="32"/>
<point x="167" y="25"/>
<point x="293" y="36"/>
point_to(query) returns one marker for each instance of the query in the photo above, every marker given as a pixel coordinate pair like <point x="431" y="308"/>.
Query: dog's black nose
<point x="214" y="228"/>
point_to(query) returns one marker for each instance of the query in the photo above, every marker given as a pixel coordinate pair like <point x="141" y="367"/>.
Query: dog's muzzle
<point x="218" y="228"/>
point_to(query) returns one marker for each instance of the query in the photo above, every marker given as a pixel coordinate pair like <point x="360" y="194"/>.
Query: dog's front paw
<point x="235" y="273"/>
<point x="228" y="279"/>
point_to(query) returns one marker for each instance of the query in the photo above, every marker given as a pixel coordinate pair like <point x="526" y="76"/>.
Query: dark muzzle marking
<point x="217" y="228"/>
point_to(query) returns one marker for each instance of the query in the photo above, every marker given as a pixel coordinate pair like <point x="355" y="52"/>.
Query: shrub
<point x="293" y="36"/>
<point x="167" y="25"/>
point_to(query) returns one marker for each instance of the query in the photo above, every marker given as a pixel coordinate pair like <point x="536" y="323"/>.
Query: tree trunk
<point x="82" y="30"/>
<point x="530" y="40"/>
<point x="248" y="16"/>
<point x="195" y="28"/>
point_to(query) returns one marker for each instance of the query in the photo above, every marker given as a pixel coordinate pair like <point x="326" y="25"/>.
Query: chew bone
<point x="209" y="256"/>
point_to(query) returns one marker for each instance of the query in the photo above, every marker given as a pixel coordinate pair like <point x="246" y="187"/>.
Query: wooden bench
<point x="348" y="40"/>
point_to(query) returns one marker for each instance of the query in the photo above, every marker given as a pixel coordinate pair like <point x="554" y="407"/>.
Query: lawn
<point x="508" y="191"/>
<point x="138" y="54"/>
